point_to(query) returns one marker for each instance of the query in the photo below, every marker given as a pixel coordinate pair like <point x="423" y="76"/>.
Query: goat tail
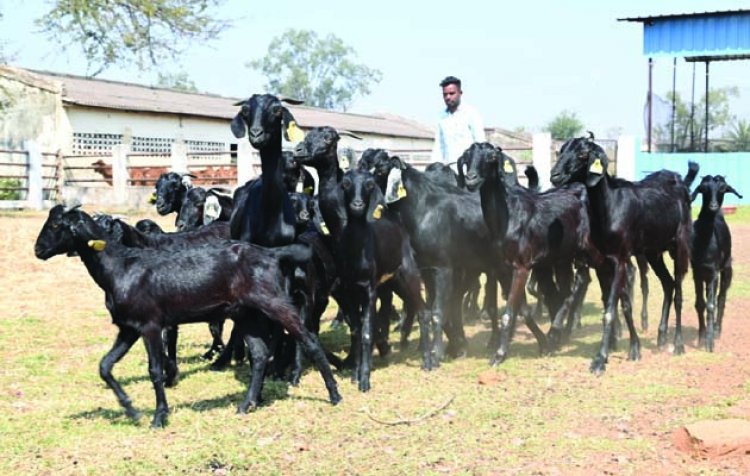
<point x="532" y="175"/>
<point x="297" y="253"/>
<point x="693" y="168"/>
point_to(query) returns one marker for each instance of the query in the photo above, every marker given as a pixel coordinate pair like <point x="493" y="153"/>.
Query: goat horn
<point x="295" y="102"/>
<point x="350" y="134"/>
<point x="591" y="135"/>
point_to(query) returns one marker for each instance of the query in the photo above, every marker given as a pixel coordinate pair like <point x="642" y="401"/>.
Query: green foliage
<point x="565" y="125"/>
<point x="320" y="71"/>
<point x="142" y="33"/>
<point x="719" y="116"/>
<point x="179" y="81"/>
<point x="7" y="186"/>
<point x="739" y="136"/>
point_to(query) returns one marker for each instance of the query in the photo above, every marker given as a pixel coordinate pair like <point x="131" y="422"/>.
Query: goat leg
<point x="154" y="348"/>
<point x="726" y="281"/>
<point x="711" y="311"/>
<point x="126" y="337"/>
<point x="259" y="355"/>
<point x="216" y="329"/>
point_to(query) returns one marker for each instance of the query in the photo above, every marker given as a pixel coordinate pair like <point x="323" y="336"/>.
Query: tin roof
<point x="107" y="94"/>
<point x="711" y="36"/>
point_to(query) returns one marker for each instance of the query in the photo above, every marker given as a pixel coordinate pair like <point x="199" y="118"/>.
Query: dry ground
<point x="532" y="415"/>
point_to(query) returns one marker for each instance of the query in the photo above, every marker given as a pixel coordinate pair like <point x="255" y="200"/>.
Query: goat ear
<point x="460" y="166"/>
<point x="595" y="172"/>
<point x="292" y="132"/>
<point x="238" y="126"/>
<point x="731" y="189"/>
<point x="376" y="204"/>
<point x="695" y="193"/>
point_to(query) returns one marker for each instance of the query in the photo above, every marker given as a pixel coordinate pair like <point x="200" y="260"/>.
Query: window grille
<point x="88" y="143"/>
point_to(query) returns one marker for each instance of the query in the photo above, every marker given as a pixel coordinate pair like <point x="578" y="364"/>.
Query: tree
<point x="179" y="81"/>
<point x="320" y="71"/>
<point x="141" y="33"/>
<point x="565" y="125"/>
<point x="689" y="122"/>
<point x="739" y="136"/>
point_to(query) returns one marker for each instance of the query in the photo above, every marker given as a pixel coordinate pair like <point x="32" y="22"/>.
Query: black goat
<point x="217" y="232"/>
<point x="369" y="253"/>
<point x="540" y="231"/>
<point x="169" y="192"/>
<point x="627" y="218"/>
<point x="451" y="242"/>
<point x="319" y="150"/>
<point x="147" y="290"/>
<point x="201" y="207"/>
<point x="439" y="172"/>
<point x="147" y="225"/>
<point x="711" y="258"/>
<point x="263" y="213"/>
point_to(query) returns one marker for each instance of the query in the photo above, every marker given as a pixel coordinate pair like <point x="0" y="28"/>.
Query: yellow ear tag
<point x="97" y="245"/>
<point x="401" y="190"/>
<point x="507" y="167"/>
<point x="295" y="133"/>
<point x="378" y="212"/>
<point x="309" y="190"/>
<point x="152" y="198"/>
<point x="596" y="167"/>
<point x="324" y="228"/>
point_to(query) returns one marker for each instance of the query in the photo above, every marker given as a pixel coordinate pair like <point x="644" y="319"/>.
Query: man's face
<point x="451" y="96"/>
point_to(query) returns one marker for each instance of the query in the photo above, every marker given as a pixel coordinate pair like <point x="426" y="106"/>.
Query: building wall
<point x="734" y="166"/>
<point x="170" y="126"/>
<point x="149" y="125"/>
<point x="30" y="113"/>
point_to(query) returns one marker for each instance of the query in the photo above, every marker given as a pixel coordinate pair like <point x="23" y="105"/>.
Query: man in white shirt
<point x="459" y="125"/>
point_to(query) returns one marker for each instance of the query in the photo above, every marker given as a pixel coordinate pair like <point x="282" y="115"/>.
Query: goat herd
<point x="270" y="257"/>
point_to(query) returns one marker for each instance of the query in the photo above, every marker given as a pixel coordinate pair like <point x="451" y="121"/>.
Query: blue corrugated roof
<point x="698" y="34"/>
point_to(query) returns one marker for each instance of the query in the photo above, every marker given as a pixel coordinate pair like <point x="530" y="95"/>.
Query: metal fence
<point x="31" y="178"/>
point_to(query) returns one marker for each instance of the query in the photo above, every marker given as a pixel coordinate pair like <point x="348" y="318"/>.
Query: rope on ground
<point x="408" y="421"/>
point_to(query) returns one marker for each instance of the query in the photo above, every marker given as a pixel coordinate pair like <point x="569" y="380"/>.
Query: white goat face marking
<point x="394" y="190"/>
<point x="211" y="209"/>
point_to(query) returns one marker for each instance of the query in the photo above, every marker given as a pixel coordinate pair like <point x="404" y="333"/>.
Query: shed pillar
<point x="542" y="157"/>
<point x="35" y="195"/>
<point x="120" y="175"/>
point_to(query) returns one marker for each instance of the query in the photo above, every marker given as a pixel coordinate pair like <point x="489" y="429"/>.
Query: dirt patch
<point x="714" y="438"/>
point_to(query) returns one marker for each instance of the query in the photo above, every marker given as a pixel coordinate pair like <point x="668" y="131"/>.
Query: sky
<point x="521" y="63"/>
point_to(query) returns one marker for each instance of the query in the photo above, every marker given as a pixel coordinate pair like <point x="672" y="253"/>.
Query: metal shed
<point x="698" y="37"/>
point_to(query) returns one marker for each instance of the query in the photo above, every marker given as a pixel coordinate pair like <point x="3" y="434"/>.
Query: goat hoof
<point x="335" y="399"/>
<point x="384" y="348"/>
<point x="364" y="387"/>
<point x="246" y="408"/>
<point x="159" y="421"/>
<point x="634" y="354"/>
<point x="498" y="358"/>
<point x="598" y="366"/>
<point x="679" y="349"/>
<point x="133" y="414"/>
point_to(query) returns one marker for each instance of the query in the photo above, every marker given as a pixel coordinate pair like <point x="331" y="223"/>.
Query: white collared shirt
<point x="456" y="132"/>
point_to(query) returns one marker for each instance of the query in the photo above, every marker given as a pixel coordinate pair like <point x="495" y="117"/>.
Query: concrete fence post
<point x="245" y="158"/>
<point x="542" y="157"/>
<point x="35" y="195"/>
<point x="178" y="157"/>
<point x="120" y="175"/>
<point x="626" y="157"/>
